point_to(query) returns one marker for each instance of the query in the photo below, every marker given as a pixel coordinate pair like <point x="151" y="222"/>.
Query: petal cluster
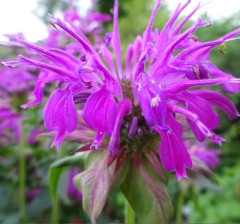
<point x="162" y="81"/>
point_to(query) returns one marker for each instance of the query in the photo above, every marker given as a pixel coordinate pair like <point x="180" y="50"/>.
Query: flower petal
<point x="202" y="109"/>
<point x="220" y="101"/>
<point x="172" y="151"/>
<point x="124" y="108"/>
<point x="60" y="114"/>
<point x="95" y="111"/>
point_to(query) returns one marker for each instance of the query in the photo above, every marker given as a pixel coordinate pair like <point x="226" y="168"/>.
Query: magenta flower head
<point x="134" y="113"/>
<point x="141" y="104"/>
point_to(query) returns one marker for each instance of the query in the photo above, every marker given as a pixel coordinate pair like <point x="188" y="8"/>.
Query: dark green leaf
<point x="59" y="166"/>
<point x="146" y="191"/>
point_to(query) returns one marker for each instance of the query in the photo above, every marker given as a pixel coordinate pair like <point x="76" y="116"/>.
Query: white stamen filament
<point x="234" y="80"/>
<point x="204" y="129"/>
<point x="155" y="100"/>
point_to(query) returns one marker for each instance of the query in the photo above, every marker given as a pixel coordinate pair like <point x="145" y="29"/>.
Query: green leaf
<point x="146" y="191"/>
<point x="54" y="176"/>
<point x="97" y="181"/>
<point x="59" y="166"/>
<point x="74" y="160"/>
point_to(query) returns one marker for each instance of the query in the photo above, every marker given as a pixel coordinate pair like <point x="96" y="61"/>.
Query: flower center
<point x="136" y="136"/>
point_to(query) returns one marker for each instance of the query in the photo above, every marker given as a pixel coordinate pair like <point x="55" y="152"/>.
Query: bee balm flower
<point x="135" y="106"/>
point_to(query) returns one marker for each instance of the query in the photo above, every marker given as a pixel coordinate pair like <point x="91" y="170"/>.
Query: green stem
<point x="179" y="205"/>
<point x="129" y="214"/>
<point x="22" y="163"/>
<point x="55" y="211"/>
<point x="55" y="216"/>
<point x="22" y="182"/>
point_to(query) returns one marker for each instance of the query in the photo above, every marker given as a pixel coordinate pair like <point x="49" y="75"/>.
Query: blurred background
<point x="25" y="159"/>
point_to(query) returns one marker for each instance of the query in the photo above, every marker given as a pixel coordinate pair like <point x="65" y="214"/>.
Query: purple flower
<point x="208" y="156"/>
<point x="9" y="125"/>
<point x="33" y="193"/>
<point x="15" y="81"/>
<point x="32" y="138"/>
<point x="90" y="25"/>
<point x="131" y="106"/>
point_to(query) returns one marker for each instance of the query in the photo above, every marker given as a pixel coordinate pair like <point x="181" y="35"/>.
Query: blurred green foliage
<point x="220" y="204"/>
<point x="206" y="204"/>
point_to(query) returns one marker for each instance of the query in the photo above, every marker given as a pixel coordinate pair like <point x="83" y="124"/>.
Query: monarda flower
<point x="90" y="25"/>
<point x="15" y="81"/>
<point x="136" y="109"/>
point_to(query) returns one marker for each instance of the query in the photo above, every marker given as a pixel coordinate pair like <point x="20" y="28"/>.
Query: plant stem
<point x="179" y="205"/>
<point x="129" y="214"/>
<point x="22" y="182"/>
<point x="55" y="216"/>
<point x="55" y="211"/>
